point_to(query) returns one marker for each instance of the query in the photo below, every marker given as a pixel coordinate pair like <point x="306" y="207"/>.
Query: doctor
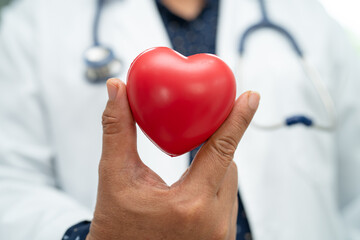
<point x="295" y="182"/>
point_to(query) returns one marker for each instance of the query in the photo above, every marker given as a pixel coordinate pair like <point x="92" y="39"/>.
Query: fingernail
<point x="253" y="100"/>
<point x="112" y="89"/>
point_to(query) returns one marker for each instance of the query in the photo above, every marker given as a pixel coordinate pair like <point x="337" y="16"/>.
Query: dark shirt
<point x="191" y="37"/>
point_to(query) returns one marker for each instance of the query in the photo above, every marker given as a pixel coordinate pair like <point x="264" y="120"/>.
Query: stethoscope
<point x="309" y="70"/>
<point x="102" y="64"/>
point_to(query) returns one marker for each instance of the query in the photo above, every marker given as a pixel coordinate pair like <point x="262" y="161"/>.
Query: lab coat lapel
<point x="129" y="40"/>
<point x="150" y="23"/>
<point x="233" y="21"/>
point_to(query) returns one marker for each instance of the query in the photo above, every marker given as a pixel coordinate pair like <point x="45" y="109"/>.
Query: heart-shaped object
<point x="177" y="101"/>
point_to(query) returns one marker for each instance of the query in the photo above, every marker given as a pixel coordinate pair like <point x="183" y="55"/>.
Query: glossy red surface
<point x="178" y="101"/>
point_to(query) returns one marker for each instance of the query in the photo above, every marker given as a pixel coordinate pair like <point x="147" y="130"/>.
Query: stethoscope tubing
<point x="96" y="22"/>
<point x="310" y="71"/>
<point x="329" y="105"/>
<point x="101" y="69"/>
<point x="325" y="97"/>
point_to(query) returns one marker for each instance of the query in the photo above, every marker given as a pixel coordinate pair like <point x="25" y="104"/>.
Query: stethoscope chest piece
<point x="101" y="64"/>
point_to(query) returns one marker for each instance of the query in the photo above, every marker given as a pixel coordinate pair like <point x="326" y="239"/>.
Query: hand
<point x="133" y="202"/>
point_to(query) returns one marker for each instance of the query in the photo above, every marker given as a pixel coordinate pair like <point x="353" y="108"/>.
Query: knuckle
<point x="110" y="123"/>
<point x="189" y="212"/>
<point x="225" y="148"/>
<point x="232" y="175"/>
<point x="233" y="167"/>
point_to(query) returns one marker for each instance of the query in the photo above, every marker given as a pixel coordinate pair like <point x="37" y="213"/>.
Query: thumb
<point x="119" y="131"/>
<point x="215" y="156"/>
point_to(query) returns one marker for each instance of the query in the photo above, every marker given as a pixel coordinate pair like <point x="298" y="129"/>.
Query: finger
<point x="213" y="159"/>
<point x="227" y="197"/>
<point x="227" y="193"/>
<point x="119" y="131"/>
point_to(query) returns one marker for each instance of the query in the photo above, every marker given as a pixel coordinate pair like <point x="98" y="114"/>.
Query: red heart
<point x="177" y="101"/>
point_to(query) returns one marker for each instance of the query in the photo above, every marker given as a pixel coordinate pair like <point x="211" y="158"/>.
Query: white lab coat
<point x="296" y="183"/>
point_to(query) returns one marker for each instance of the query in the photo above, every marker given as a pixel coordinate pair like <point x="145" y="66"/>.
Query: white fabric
<point x="296" y="183"/>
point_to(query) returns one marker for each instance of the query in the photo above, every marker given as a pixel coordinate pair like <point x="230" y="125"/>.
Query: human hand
<point x="133" y="202"/>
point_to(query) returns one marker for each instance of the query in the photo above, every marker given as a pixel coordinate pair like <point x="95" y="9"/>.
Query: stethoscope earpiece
<point x="101" y="64"/>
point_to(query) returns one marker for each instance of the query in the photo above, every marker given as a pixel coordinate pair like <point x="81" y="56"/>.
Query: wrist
<point x="99" y="229"/>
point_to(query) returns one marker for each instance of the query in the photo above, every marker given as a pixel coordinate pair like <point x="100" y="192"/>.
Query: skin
<point x="133" y="202"/>
<point x="186" y="9"/>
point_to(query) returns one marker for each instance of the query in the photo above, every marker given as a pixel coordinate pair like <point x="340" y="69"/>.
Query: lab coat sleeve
<point x="31" y="206"/>
<point x="346" y="74"/>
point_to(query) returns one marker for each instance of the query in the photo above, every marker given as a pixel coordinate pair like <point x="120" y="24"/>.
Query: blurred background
<point x="3" y="2"/>
<point x="346" y="12"/>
